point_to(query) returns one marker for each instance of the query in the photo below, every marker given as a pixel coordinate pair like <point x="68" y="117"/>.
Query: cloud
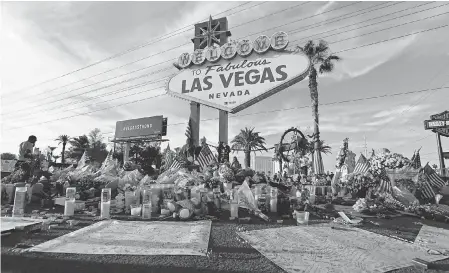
<point x="379" y="122"/>
<point x="367" y="59"/>
<point x="325" y="7"/>
<point x="400" y="109"/>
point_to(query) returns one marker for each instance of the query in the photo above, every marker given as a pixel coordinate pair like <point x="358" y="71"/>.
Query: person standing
<point x="26" y="156"/>
<point x="26" y="148"/>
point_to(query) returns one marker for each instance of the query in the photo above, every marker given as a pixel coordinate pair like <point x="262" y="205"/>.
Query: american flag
<point x="168" y="158"/>
<point x="434" y="179"/>
<point x="416" y="161"/>
<point x="189" y="131"/>
<point x="175" y="164"/>
<point x="362" y="165"/>
<point x="385" y="183"/>
<point x="426" y="190"/>
<point x="205" y="156"/>
<point x="385" y="186"/>
<point x="413" y="157"/>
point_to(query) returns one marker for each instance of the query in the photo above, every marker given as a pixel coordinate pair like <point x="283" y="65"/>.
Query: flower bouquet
<point x="434" y="212"/>
<point x="387" y="161"/>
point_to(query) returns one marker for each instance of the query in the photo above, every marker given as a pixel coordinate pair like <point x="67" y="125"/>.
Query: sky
<point x="52" y="82"/>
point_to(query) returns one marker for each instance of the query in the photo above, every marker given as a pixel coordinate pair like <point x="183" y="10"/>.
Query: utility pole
<point x="366" y="147"/>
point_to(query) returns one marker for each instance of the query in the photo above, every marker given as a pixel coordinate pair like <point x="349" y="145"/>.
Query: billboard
<point x="140" y="127"/>
<point x="435" y="124"/>
<point x="439" y="123"/>
<point x="236" y="76"/>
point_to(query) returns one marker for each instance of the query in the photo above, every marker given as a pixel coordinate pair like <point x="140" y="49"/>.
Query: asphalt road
<point x="228" y="252"/>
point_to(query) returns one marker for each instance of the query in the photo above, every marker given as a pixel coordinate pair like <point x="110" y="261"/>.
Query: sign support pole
<point x="440" y="154"/>
<point x="126" y="152"/>
<point x="195" y="122"/>
<point x="223" y="126"/>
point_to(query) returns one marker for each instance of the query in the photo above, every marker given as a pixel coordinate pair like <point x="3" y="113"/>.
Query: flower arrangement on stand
<point x="341" y="157"/>
<point x="358" y="181"/>
<point x="387" y="161"/>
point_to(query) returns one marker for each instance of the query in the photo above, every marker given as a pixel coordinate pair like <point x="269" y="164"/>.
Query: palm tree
<point x="81" y="142"/>
<point x="325" y="149"/>
<point x="320" y="58"/>
<point x="63" y="139"/>
<point x="79" y="146"/>
<point x="248" y="141"/>
<point x="56" y="157"/>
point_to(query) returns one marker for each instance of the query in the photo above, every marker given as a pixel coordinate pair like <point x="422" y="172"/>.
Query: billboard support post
<point x="126" y="152"/>
<point x="440" y="154"/>
<point x="195" y="114"/>
<point x="439" y="124"/>
<point x="223" y="126"/>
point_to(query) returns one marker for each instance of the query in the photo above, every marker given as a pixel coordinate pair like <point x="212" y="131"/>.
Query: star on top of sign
<point x="209" y="34"/>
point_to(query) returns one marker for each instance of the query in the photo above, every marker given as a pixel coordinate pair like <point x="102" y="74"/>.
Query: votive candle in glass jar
<point x="105" y="206"/>
<point x="146" y="210"/>
<point x="136" y="210"/>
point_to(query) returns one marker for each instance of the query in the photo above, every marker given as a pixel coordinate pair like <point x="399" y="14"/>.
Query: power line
<point x="91" y="91"/>
<point x="163" y="37"/>
<point x="179" y="46"/>
<point x="348" y="15"/>
<point x="391" y="39"/>
<point x="272" y="111"/>
<point x="379" y="30"/>
<point x="235" y="27"/>
<point x="87" y="113"/>
<point x="308" y="106"/>
<point x="114" y="84"/>
<point x="189" y="43"/>
<point x="385" y="15"/>
<point x="395" y="38"/>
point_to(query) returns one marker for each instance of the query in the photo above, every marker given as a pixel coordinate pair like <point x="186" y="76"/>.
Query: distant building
<point x="264" y="164"/>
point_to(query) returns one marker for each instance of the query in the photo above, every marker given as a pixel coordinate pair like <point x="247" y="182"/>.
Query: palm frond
<point x="322" y="47"/>
<point x="328" y="64"/>
<point x="309" y="49"/>
<point x="326" y="67"/>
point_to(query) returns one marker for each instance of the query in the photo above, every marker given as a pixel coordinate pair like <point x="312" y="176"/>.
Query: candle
<point x="19" y="202"/>
<point x="105" y="205"/>
<point x="29" y="192"/>
<point x="257" y="192"/>
<point x="105" y="210"/>
<point x="146" y="211"/>
<point x="312" y="199"/>
<point x="69" y="208"/>
<point x="136" y="210"/>
<point x="217" y="199"/>
<point x="70" y="193"/>
<point x="146" y="196"/>
<point x="129" y="199"/>
<point x="203" y="194"/>
<point x="274" y="200"/>
<point x="234" y="205"/>
<point x="10" y="192"/>
<point x="273" y="205"/>
<point x="138" y="195"/>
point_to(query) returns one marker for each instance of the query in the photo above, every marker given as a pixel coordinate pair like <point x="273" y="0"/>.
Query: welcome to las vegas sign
<point x="238" y="74"/>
